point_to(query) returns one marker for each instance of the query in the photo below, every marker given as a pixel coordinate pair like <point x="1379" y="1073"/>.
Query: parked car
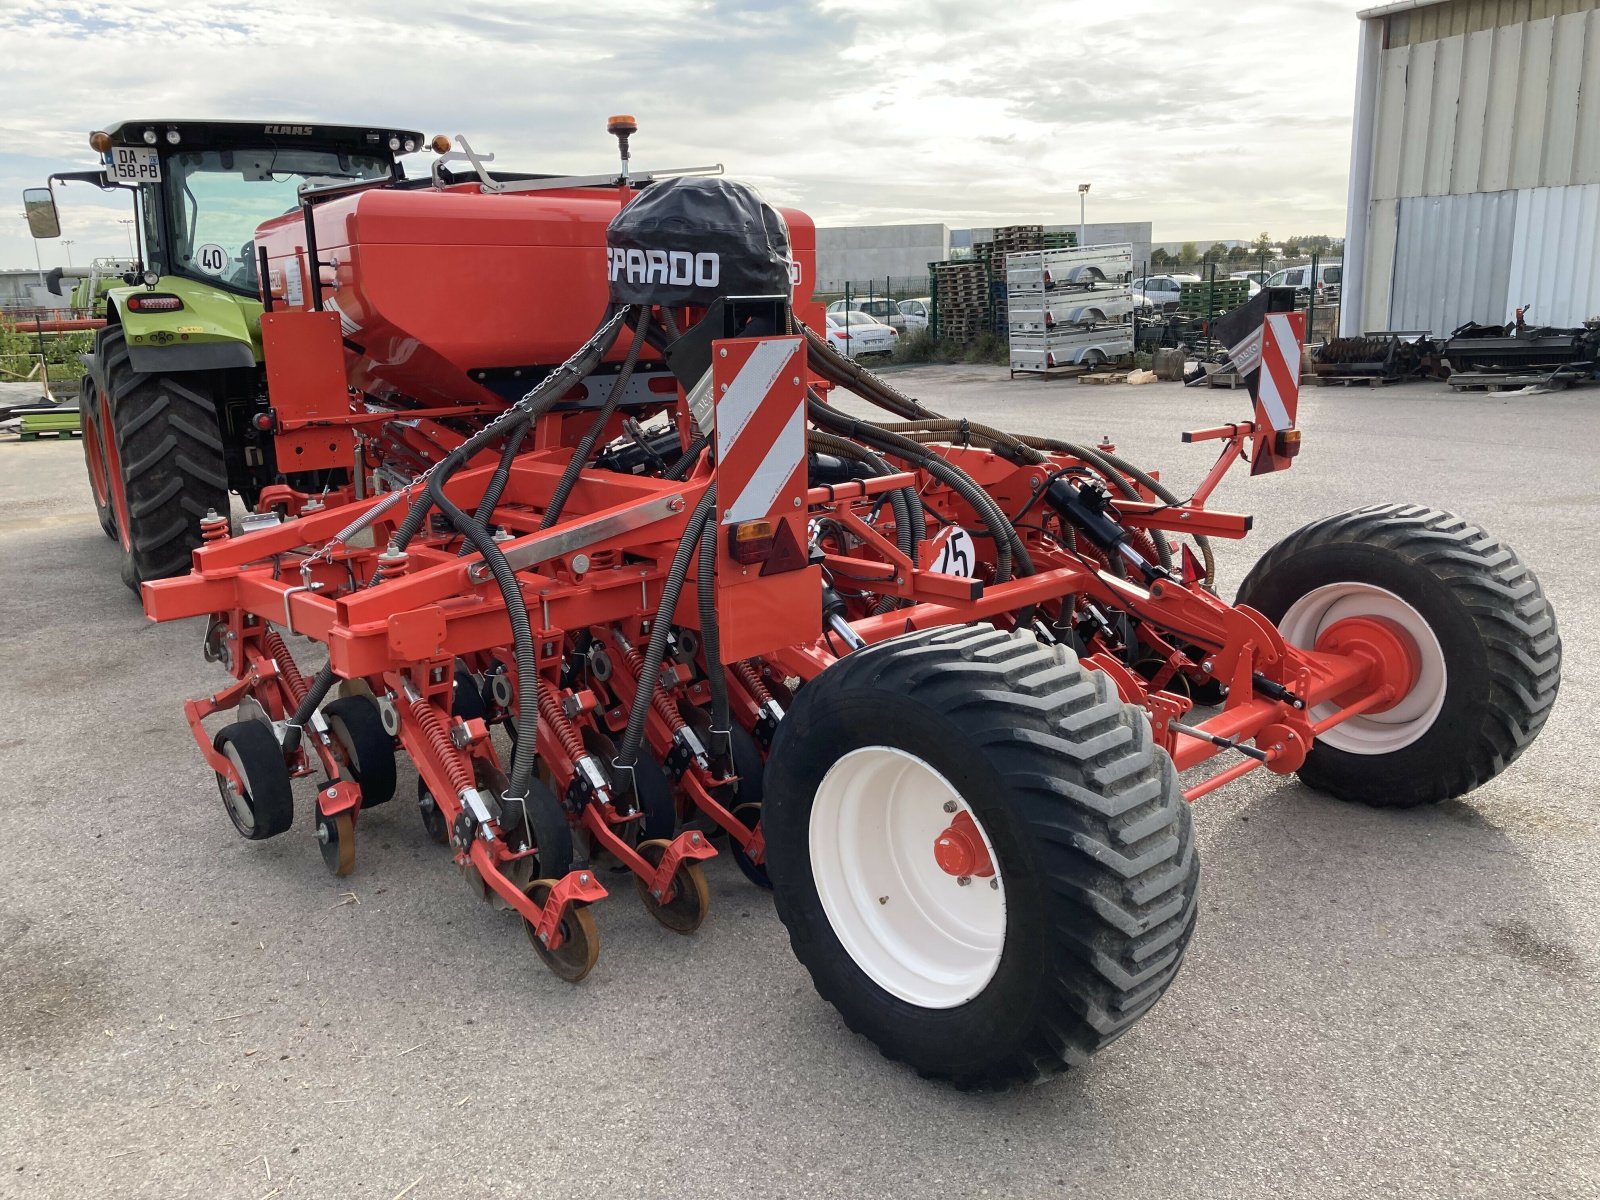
<point x="1329" y="276"/>
<point x="858" y="334"/>
<point x="1160" y="292"/>
<point x="917" y="312"/>
<point x="1259" y="278"/>
<point x="885" y="311"/>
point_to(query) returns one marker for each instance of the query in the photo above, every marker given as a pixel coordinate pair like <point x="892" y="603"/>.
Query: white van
<point x="1329" y="276"/>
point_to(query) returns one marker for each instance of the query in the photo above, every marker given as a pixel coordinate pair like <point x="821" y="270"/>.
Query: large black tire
<point x="94" y="454"/>
<point x="1093" y="841"/>
<point x="1496" y="632"/>
<point x="165" y="437"/>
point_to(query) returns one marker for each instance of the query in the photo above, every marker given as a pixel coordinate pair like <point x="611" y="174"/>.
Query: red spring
<point x="432" y="722"/>
<point x="751" y="678"/>
<point x="665" y="708"/>
<point x="557" y="721"/>
<point x="213" y="528"/>
<point x="287" y="667"/>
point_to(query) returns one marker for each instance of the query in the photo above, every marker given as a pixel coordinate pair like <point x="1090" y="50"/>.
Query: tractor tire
<point x="164" y="458"/>
<point x="1489" y="650"/>
<point x="94" y="455"/>
<point x="983" y="981"/>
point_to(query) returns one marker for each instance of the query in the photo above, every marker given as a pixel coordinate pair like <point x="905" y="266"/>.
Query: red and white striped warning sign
<point x="1277" y="388"/>
<point x="761" y="426"/>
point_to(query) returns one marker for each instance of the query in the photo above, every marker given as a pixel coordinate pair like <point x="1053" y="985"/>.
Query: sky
<point x="1213" y="120"/>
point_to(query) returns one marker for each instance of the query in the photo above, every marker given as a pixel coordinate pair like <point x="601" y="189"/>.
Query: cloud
<point x="858" y="111"/>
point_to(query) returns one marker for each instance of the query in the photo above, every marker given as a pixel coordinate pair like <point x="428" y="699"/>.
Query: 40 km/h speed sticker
<point x="958" y="553"/>
<point x="211" y="258"/>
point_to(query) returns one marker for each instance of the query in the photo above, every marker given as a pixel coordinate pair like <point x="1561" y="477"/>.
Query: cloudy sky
<point x="1213" y="120"/>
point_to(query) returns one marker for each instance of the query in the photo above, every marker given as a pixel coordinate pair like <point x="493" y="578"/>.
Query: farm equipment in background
<point x="1379" y="357"/>
<point x="601" y="555"/>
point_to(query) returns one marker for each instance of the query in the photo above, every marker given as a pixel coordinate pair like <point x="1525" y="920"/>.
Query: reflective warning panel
<point x="767" y="595"/>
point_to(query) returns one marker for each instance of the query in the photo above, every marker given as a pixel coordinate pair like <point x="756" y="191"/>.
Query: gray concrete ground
<point x="1376" y="1004"/>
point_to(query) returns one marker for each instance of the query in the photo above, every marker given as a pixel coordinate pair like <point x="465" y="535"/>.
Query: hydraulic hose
<point x="497" y="482"/>
<point x="525" y="749"/>
<point x="1008" y="545"/>
<point x="538" y="400"/>
<point x="684" y="465"/>
<point x="650" y="676"/>
<point x="308" y="705"/>
<point x="711" y="644"/>
<point x="907" y="505"/>
<point x="580" y="456"/>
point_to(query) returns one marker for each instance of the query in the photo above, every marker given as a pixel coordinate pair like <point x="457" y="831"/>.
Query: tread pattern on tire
<point x="1107" y="826"/>
<point x="1503" y="597"/>
<point x="173" y="469"/>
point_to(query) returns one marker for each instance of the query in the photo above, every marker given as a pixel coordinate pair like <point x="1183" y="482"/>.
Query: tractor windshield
<point x="217" y="198"/>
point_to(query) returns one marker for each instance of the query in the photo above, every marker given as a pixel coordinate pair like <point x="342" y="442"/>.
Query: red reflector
<point x="786" y="554"/>
<point x="750" y="542"/>
<point x="155" y="302"/>
<point x="1193" y="571"/>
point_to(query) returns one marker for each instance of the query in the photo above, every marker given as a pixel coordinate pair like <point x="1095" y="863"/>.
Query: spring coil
<point x="556" y="719"/>
<point x="432" y="723"/>
<point x="287" y="667"/>
<point x="665" y="708"/>
<point x="751" y="678"/>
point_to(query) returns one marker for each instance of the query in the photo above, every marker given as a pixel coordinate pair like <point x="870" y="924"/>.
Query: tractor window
<point x="217" y="198"/>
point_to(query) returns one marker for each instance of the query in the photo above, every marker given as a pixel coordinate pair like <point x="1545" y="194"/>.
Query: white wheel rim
<point x="916" y="931"/>
<point x="1384" y="732"/>
<point x="237" y="800"/>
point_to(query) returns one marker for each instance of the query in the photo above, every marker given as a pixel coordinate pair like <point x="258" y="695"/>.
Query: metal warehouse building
<point x="1475" y="165"/>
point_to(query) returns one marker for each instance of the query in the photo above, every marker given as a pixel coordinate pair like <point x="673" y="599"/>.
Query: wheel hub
<point x="960" y="851"/>
<point x="1396" y="662"/>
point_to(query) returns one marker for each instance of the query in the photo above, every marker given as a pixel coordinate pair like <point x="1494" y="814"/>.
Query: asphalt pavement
<point x="1376" y="1003"/>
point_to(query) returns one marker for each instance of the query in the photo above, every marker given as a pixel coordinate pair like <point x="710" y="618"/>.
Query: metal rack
<point x="1069" y="307"/>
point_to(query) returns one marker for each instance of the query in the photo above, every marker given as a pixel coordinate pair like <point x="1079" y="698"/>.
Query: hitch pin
<point x="1225" y="743"/>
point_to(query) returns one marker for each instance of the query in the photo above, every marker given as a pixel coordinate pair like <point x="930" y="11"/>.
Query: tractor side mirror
<point x="39" y="205"/>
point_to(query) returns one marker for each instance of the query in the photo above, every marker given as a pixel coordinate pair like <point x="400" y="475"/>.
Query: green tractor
<point x="175" y="380"/>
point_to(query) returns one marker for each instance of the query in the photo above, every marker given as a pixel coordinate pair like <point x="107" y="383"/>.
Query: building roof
<point x="1396" y="6"/>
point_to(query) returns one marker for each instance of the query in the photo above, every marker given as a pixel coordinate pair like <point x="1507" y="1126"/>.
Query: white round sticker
<point x="958" y="555"/>
<point x="212" y="259"/>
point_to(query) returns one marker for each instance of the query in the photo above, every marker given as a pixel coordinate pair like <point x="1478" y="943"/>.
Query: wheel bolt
<point x="964" y="880"/>
<point x="994" y="885"/>
<point x="949" y="806"/>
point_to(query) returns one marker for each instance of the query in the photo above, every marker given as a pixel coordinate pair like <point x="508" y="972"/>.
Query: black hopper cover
<point x="694" y="239"/>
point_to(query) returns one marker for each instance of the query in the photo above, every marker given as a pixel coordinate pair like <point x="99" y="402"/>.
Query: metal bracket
<point x="577" y="535"/>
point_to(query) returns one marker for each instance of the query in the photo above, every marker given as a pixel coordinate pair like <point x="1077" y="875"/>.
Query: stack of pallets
<point x="961" y="290"/>
<point x="1212" y="298"/>
<point x="1007" y="240"/>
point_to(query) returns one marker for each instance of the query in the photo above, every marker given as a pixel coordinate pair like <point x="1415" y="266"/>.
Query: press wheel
<point x="691" y="899"/>
<point x="580" y="944"/>
<point x="336" y="837"/>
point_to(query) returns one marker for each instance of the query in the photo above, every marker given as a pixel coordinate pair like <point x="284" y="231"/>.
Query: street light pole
<point x="1083" y="195"/>
<point x="67" y="242"/>
<point x="127" y="223"/>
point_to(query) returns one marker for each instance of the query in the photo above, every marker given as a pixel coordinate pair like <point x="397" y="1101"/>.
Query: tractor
<point x="175" y="383"/>
<point x="610" y="565"/>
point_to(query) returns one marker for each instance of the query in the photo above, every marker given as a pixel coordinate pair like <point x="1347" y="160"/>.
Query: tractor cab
<point x="201" y="187"/>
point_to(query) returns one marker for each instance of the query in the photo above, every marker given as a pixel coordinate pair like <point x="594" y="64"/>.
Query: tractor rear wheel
<point x="981" y="855"/>
<point x="94" y="454"/>
<point x="164" y="460"/>
<point x="1487" y="651"/>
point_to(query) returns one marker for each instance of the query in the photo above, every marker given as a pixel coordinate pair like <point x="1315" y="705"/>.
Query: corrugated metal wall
<point x="1469" y="16"/>
<point x="1555" y="263"/>
<point x="1509" y="106"/>
<point x="1452" y="261"/>
<point x="1485" y="166"/>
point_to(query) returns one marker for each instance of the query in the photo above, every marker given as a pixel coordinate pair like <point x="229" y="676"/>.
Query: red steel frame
<point x="404" y="636"/>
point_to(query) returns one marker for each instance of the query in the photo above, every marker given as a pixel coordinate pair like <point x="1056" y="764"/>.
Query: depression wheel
<point x="433" y="819"/>
<point x="264" y="806"/>
<point x="685" y="908"/>
<point x="336" y="838"/>
<point x="580" y="940"/>
<point x="982" y="857"/>
<point x="1483" y="650"/>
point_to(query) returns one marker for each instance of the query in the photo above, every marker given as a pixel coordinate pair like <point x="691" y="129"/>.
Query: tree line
<point x="1264" y="246"/>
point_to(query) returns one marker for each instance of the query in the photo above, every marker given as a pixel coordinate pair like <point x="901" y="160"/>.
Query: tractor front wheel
<point x="94" y="454"/>
<point x="980" y="853"/>
<point x="1485" y="650"/>
<point x="164" y="460"/>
